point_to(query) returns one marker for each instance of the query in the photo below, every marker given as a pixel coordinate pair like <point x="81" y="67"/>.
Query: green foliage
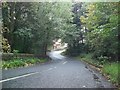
<point x="5" y="46"/>
<point x="31" y="27"/>
<point x="86" y="27"/>
<point x="89" y="59"/>
<point x="12" y="64"/>
<point x="102" y="25"/>
<point x="111" y="69"/>
<point x="74" y="36"/>
<point x="21" y="62"/>
<point x="103" y="59"/>
<point x="15" y="51"/>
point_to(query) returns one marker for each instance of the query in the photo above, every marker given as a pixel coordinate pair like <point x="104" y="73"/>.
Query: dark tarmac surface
<point x="60" y="72"/>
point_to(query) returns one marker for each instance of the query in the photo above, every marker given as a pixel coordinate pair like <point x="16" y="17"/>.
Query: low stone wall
<point x="9" y="56"/>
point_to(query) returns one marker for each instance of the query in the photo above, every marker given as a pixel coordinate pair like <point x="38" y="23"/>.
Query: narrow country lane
<point x="60" y="72"/>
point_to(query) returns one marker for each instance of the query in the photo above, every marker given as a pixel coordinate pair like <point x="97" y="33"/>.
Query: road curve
<point x="60" y="72"/>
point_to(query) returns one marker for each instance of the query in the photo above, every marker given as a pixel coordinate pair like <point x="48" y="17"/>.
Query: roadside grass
<point x="111" y="69"/>
<point x="14" y="63"/>
<point x="88" y="58"/>
<point x="108" y="69"/>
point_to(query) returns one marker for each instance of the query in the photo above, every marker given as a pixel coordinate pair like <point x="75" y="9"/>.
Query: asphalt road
<point x="60" y="72"/>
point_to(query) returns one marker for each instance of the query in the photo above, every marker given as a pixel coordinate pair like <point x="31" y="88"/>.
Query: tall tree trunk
<point x="46" y="42"/>
<point x="11" y="24"/>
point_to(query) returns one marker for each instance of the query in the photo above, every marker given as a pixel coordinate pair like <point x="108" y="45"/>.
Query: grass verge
<point x="109" y="69"/>
<point x="112" y="71"/>
<point x="14" y="63"/>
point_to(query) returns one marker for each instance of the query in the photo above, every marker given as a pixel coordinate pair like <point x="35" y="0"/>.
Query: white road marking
<point x="65" y="62"/>
<point x="50" y="68"/>
<point x="18" y="77"/>
<point x="13" y="78"/>
<point x="84" y="86"/>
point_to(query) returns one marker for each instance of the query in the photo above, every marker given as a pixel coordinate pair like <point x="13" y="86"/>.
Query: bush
<point x="15" y="52"/>
<point x="5" y="46"/>
<point x="12" y="63"/>
<point x="21" y="62"/>
<point x="103" y="59"/>
<point x="112" y="70"/>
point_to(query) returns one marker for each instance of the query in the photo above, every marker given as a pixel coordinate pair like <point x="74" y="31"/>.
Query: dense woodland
<point x="86" y="27"/>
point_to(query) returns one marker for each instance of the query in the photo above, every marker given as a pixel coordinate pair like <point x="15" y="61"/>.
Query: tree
<point x="15" y="24"/>
<point x="102" y="24"/>
<point x="75" y="35"/>
<point x="34" y="25"/>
